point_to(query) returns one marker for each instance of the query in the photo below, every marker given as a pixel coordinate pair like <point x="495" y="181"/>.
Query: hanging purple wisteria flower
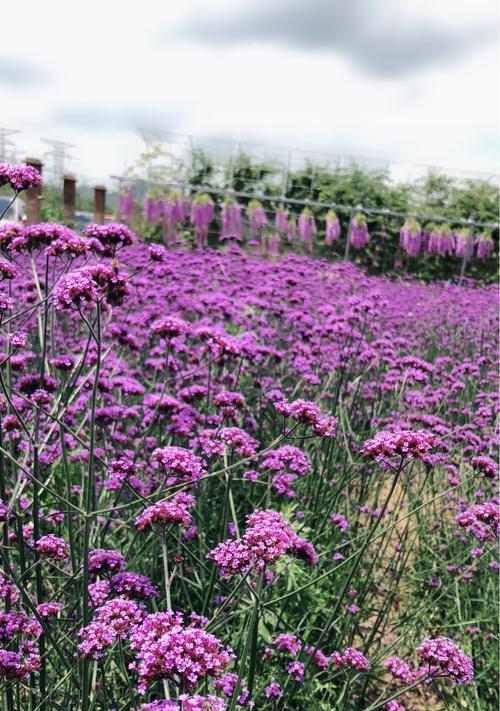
<point x="359" y="235"/>
<point x="202" y="214"/>
<point x="464" y="243"/>
<point x="440" y="241"/>
<point x="307" y="228"/>
<point x="291" y="230"/>
<point x="153" y="208"/>
<point x="485" y="246"/>
<point x="281" y="219"/>
<point x="125" y="204"/>
<point x="231" y="222"/>
<point x="332" y="228"/>
<point x="410" y="237"/>
<point x="257" y="218"/>
<point x="174" y="215"/>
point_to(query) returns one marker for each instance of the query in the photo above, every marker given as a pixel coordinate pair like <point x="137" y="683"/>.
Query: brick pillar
<point x="33" y="196"/>
<point x="69" y="199"/>
<point x="99" y="204"/>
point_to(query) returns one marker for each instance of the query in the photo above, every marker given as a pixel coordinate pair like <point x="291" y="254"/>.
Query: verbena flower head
<point x="309" y="413"/>
<point x="111" y="236"/>
<point x="482" y="520"/>
<point x="406" y="444"/>
<point x="49" y="610"/>
<point x="88" y="285"/>
<point x="52" y="548"/>
<point x="19" y="177"/>
<point x="105" y="562"/>
<point x="43" y="234"/>
<point x="9" y="233"/>
<point x="181" y="465"/>
<point x="189" y="654"/>
<point x="170" y="327"/>
<point x="267" y="537"/>
<point x="485" y="465"/>
<point x="159" y="516"/>
<point x="447" y="660"/>
<point x="133" y="586"/>
<point x="7" y="270"/>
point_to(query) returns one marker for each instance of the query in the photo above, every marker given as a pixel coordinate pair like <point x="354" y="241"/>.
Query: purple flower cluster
<point x="440" y="658"/>
<point x="19" y="177"/>
<point x="111" y="236"/>
<point x="406" y="444"/>
<point x="88" y="285"/>
<point x="179" y="464"/>
<point x="159" y="516"/>
<point x="52" y="548"/>
<point x="268" y="536"/>
<point x="165" y="649"/>
<point x="309" y="413"/>
<point x="447" y="660"/>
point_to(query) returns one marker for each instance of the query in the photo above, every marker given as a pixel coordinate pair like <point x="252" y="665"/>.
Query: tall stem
<point x="90" y="507"/>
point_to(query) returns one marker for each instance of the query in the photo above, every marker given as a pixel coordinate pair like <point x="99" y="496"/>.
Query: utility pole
<point x="59" y="154"/>
<point x="7" y="147"/>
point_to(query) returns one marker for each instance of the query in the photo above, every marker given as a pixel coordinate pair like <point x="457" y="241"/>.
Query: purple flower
<point x="19" y="177"/>
<point x="446" y="660"/>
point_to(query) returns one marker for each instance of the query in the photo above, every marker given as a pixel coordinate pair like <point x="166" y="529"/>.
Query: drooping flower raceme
<point x="307" y="228"/>
<point x="202" y="214"/>
<point x="332" y="228"/>
<point x="257" y="219"/>
<point x="410" y="237"/>
<point x="485" y="246"/>
<point x="359" y="235"/>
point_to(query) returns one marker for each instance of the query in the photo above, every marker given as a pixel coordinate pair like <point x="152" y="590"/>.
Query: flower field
<point x="232" y="482"/>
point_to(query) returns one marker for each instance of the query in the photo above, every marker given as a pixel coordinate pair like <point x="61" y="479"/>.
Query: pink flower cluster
<point x="406" y="444"/>
<point x="181" y="465"/>
<point x="19" y="177"/>
<point x="309" y="413"/>
<point x="166" y="649"/>
<point x="447" y="660"/>
<point x="441" y="659"/>
<point x="170" y="327"/>
<point x="105" y="562"/>
<point x="482" y="520"/>
<point x="166" y="513"/>
<point x="52" y="548"/>
<point x="111" y="236"/>
<point x="485" y="465"/>
<point x="88" y="285"/>
<point x="267" y="537"/>
<point x="112" y="621"/>
<point x="20" y="656"/>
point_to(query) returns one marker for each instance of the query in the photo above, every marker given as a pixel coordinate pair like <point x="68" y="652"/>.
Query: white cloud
<point x="90" y="79"/>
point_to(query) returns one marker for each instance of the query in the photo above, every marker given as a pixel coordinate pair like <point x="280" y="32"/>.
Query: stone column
<point x="69" y="199"/>
<point x="99" y="204"/>
<point x="33" y="196"/>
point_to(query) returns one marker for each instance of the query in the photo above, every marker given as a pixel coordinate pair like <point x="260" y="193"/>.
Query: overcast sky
<point x="410" y="81"/>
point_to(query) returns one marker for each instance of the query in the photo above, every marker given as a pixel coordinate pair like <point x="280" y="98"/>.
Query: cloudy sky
<point x="414" y="82"/>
